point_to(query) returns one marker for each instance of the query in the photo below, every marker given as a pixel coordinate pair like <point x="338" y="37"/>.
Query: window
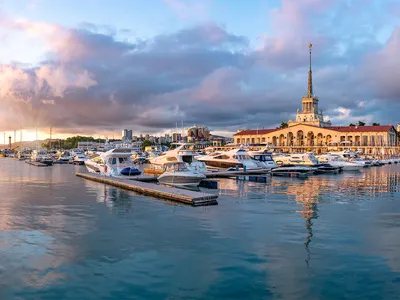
<point x="222" y="157"/>
<point x="187" y="158"/>
<point x="122" y="160"/>
<point x="112" y="161"/>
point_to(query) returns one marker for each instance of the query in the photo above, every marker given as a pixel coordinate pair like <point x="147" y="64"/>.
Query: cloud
<point x="381" y="68"/>
<point x="92" y="80"/>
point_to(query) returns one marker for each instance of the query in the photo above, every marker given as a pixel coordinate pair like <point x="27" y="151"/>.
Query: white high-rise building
<point x="127" y="135"/>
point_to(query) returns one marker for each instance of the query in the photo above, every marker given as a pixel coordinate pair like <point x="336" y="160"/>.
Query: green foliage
<point x="168" y="144"/>
<point x="284" y="125"/>
<point x="351" y="124"/>
<point x="71" y="142"/>
<point x="376" y="124"/>
<point x="361" y="123"/>
<point x="146" y="143"/>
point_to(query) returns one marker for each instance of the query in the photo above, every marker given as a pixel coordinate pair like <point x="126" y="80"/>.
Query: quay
<point x="150" y="189"/>
<point x="36" y="164"/>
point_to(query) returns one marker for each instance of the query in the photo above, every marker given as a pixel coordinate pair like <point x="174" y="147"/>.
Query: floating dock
<point x="150" y="189"/>
<point x="36" y="164"/>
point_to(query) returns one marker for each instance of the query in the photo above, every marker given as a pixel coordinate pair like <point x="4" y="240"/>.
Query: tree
<point x="361" y="123"/>
<point x="146" y="143"/>
<point x="376" y="124"/>
<point x="284" y="125"/>
<point x="351" y="124"/>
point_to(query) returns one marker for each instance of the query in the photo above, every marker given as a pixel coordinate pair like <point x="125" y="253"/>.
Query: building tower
<point x="310" y="114"/>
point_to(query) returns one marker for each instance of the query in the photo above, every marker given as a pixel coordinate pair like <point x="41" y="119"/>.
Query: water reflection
<point x="65" y="237"/>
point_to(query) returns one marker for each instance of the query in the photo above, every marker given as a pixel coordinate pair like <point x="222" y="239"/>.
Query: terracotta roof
<point x="256" y="131"/>
<point x="383" y="128"/>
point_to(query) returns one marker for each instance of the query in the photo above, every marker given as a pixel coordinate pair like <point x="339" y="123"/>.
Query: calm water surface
<point x="326" y="237"/>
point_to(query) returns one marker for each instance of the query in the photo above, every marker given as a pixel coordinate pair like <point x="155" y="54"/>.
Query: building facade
<point x="127" y="135"/>
<point x="198" y="133"/>
<point x="311" y="132"/>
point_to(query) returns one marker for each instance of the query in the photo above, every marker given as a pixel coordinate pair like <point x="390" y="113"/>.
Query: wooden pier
<point x="150" y="189"/>
<point x="36" y="164"/>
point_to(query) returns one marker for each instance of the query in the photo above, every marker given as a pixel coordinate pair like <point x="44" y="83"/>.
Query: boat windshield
<point x="123" y="160"/>
<point x="263" y="157"/>
<point x="187" y="158"/>
<point x="115" y="160"/>
<point x="242" y="157"/>
<point x="176" y="167"/>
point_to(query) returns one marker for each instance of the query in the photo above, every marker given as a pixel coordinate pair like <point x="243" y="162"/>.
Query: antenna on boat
<point x="36" y="139"/>
<point x="182" y="132"/>
<point x="20" y="140"/>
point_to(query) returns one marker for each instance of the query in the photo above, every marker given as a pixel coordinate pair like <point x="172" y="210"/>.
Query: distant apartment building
<point x="127" y="135"/>
<point x="176" y="137"/>
<point x="198" y="133"/>
<point x="88" y="145"/>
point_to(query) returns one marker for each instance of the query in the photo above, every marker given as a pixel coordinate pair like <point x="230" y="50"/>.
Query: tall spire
<point x="310" y="89"/>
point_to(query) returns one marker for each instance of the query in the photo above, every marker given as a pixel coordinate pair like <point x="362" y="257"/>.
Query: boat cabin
<point x="175" y="167"/>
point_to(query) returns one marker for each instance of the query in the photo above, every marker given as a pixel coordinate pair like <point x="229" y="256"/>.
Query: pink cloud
<point x="291" y="32"/>
<point x="381" y="68"/>
<point x="223" y="81"/>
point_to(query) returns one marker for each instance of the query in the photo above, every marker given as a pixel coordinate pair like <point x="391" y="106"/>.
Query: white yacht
<point x="42" y="156"/>
<point x="138" y="157"/>
<point x="115" y="162"/>
<point x="23" y="155"/>
<point x="264" y="158"/>
<point x="303" y="159"/>
<point x="65" y="157"/>
<point x="340" y="162"/>
<point x="294" y="171"/>
<point x="178" y="174"/>
<point x="79" y="158"/>
<point x="184" y="152"/>
<point x="236" y="158"/>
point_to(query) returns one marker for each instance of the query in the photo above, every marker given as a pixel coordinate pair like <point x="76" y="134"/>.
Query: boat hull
<point x="183" y="180"/>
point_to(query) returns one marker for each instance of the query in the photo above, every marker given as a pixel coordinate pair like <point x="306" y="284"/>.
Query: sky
<point x="94" y="67"/>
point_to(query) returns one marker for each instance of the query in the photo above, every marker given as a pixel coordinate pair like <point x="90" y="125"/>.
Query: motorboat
<point x="363" y="163"/>
<point x="138" y="157"/>
<point x="303" y="159"/>
<point x="79" y="158"/>
<point x="41" y="155"/>
<point x="340" y="162"/>
<point x="65" y="157"/>
<point x="236" y="158"/>
<point x="179" y="174"/>
<point x="293" y="171"/>
<point x="23" y="155"/>
<point x="183" y="152"/>
<point x="326" y="169"/>
<point x="376" y="163"/>
<point x="115" y="162"/>
<point x="263" y="157"/>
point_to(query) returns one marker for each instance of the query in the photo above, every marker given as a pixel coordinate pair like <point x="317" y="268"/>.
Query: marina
<point x="174" y="151"/>
<point x="185" y="196"/>
<point x="77" y="228"/>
